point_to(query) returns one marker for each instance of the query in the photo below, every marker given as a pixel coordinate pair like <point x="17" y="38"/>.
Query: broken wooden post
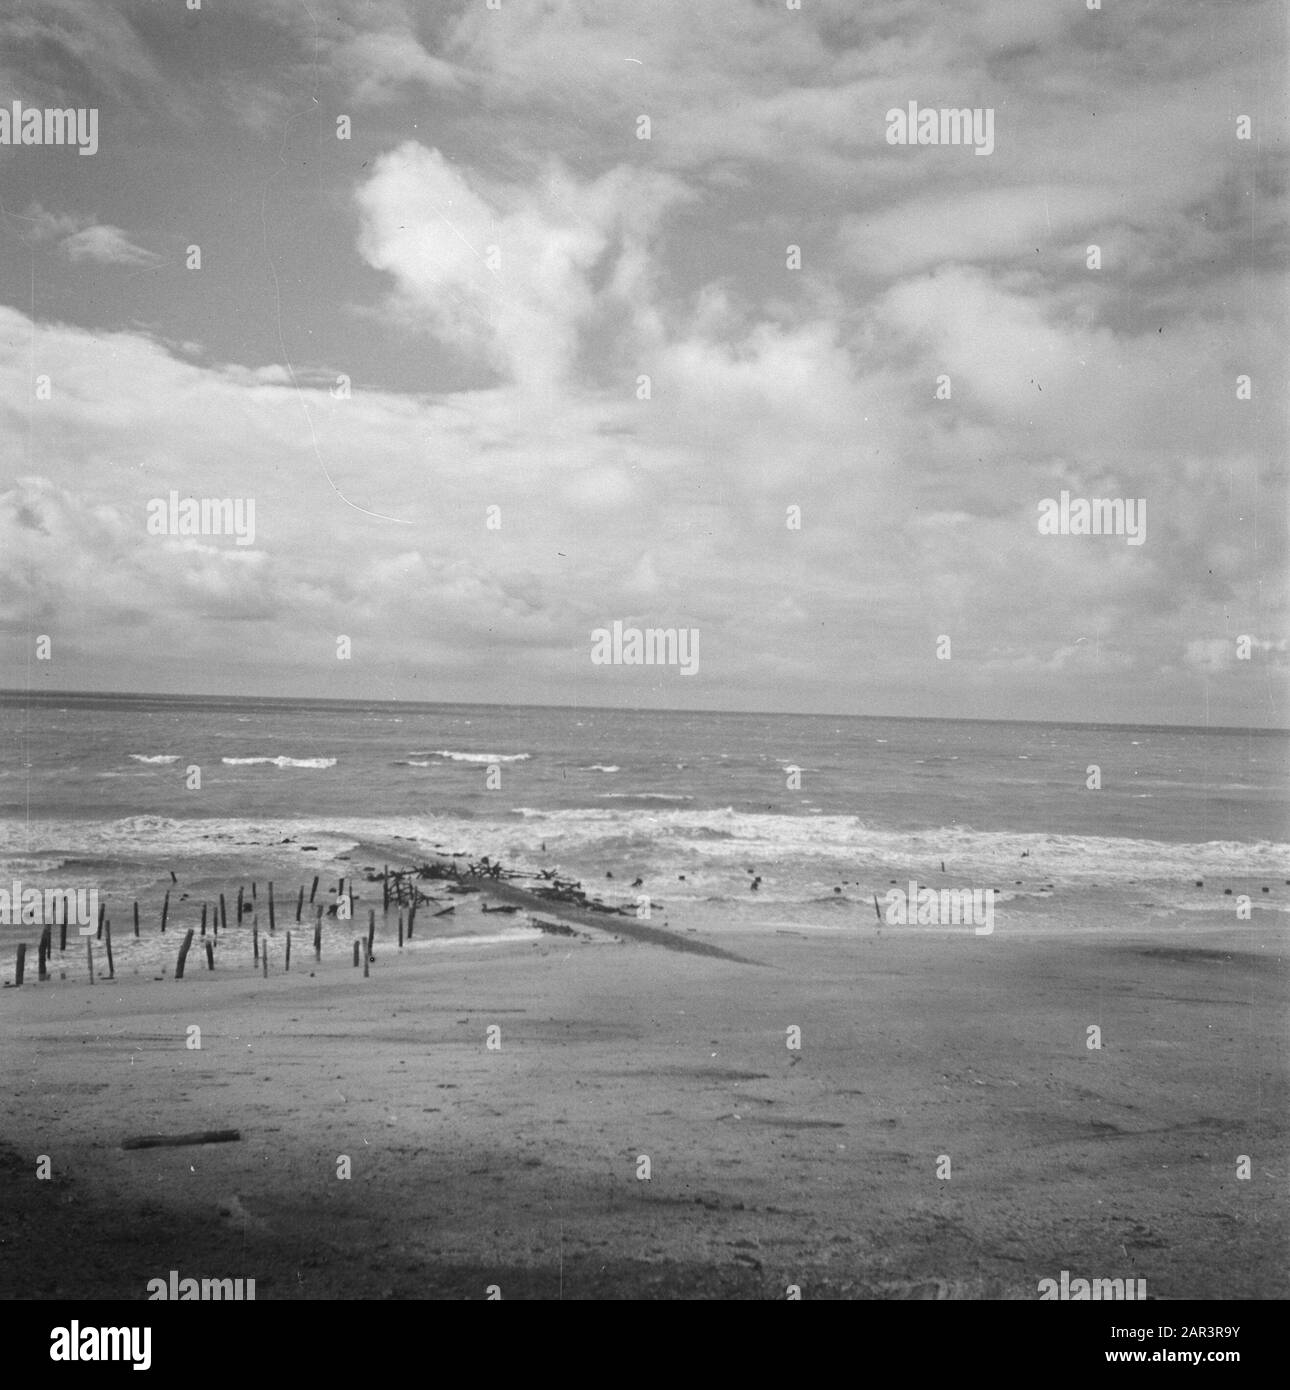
<point x="314" y="889"/>
<point x="371" y="929"/>
<point x="400" y="929"/>
<point x="300" y="902"/>
<point x="223" y="913"/>
<point x="358" y="946"/>
<point x="203" y="919"/>
<point x="89" y="956"/>
<point x="318" y="933"/>
<point x="210" y="956"/>
<point x="107" y="943"/>
<point x="165" y="906"/>
<point x="136" y="917"/>
<point x="183" y="954"/>
<point x="271" y="922"/>
<point x="42" y="953"/>
<point x="20" y="964"/>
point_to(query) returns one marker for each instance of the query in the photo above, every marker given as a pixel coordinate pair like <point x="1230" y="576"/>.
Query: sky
<point x="517" y="322"/>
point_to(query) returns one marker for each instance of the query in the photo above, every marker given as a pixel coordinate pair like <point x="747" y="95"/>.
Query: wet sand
<point x="769" y="1166"/>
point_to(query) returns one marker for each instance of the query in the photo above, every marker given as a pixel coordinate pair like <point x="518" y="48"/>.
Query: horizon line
<point x="6" y="692"/>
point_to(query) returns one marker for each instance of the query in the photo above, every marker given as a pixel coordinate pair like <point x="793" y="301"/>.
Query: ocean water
<point x="93" y="789"/>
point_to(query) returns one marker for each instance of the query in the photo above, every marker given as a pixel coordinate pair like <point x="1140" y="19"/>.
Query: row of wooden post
<point x="104" y="932"/>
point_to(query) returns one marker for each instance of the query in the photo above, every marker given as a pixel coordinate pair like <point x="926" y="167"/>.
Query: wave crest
<point x="280" y="762"/>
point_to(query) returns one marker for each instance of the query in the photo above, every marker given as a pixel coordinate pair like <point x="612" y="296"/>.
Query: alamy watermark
<point x="947" y="126"/>
<point x="1077" y="1290"/>
<point x="1099" y="516"/>
<point x="929" y="907"/>
<point x="35" y="907"/>
<point x="199" y="1290"/>
<point x="203" y="516"/>
<point x="77" y="1343"/>
<point x="653" y="646"/>
<point x="50" y="125"/>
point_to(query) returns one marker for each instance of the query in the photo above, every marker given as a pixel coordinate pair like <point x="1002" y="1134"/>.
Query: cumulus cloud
<point x="82" y="239"/>
<point x="503" y="271"/>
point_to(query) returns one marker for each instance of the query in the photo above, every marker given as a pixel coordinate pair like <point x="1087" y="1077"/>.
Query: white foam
<point x="280" y="762"/>
<point x="471" y="757"/>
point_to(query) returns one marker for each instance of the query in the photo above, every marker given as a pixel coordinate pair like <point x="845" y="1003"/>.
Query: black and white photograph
<point x="644" y="658"/>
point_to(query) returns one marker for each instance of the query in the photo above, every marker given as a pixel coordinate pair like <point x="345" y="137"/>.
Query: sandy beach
<point x="517" y="1166"/>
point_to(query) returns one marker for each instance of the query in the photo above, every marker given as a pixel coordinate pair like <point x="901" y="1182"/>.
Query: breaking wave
<point x="469" y="758"/>
<point x="281" y="762"/>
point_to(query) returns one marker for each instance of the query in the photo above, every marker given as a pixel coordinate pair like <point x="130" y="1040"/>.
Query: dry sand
<point x="769" y="1167"/>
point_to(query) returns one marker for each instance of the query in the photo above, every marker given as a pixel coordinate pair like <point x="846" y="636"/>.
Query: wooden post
<point x="165" y="909"/>
<point x="287" y="963"/>
<point x="223" y="913"/>
<point x="385" y="890"/>
<point x="20" y="964"/>
<point x="264" y="961"/>
<point x="271" y="922"/>
<point x="371" y="929"/>
<point x="203" y="919"/>
<point x="136" y="917"/>
<point x="358" y="946"/>
<point x="89" y="956"/>
<point x="253" y="896"/>
<point x="107" y="942"/>
<point x="42" y="952"/>
<point x="314" y="889"/>
<point x="412" y="917"/>
<point x="183" y="954"/>
<point x="255" y="939"/>
<point x="210" y="956"/>
<point x="318" y="933"/>
<point x="241" y="894"/>
<point x="400" y="929"/>
<point x="300" y="902"/>
<point x="102" y="910"/>
<point x="62" y="930"/>
<point x="367" y="965"/>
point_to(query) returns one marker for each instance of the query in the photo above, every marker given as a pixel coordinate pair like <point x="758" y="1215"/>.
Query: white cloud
<point x="82" y="239"/>
<point x="506" y="272"/>
<point x="105" y="246"/>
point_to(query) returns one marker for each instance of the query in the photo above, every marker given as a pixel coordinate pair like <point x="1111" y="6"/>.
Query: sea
<point x="721" y="816"/>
